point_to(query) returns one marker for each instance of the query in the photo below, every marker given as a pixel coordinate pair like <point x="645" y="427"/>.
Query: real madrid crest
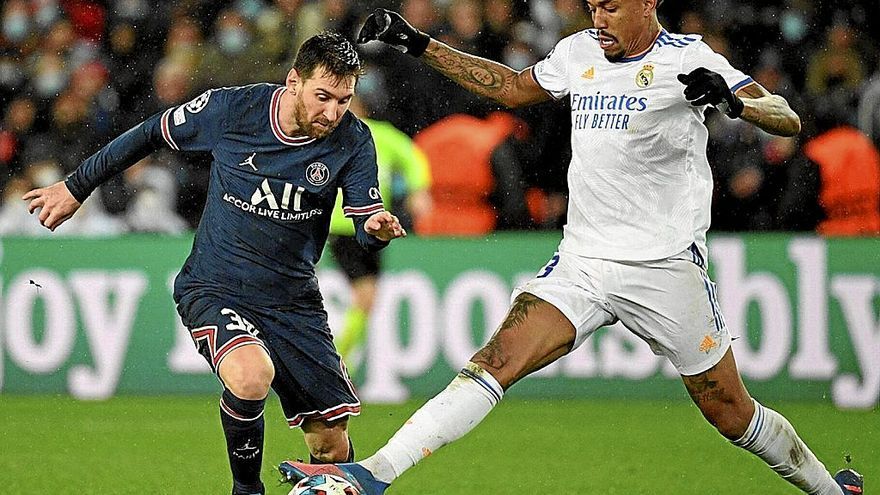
<point x="317" y="174"/>
<point x="645" y="76"/>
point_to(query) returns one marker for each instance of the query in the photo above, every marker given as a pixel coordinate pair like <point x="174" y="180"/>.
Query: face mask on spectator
<point x="249" y="8"/>
<point x="792" y="26"/>
<point x="233" y="40"/>
<point x="10" y="74"/>
<point x="15" y="27"/>
<point x="49" y="83"/>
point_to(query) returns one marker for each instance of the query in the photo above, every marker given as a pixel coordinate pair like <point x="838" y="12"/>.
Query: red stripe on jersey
<point x="234" y="343"/>
<point x="228" y="410"/>
<point x="166" y="130"/>
<point x="363" y="210"/>
<point x="328" y="415"/>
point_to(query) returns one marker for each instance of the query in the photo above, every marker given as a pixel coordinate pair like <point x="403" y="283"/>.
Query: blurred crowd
<point x="76" y="73"/>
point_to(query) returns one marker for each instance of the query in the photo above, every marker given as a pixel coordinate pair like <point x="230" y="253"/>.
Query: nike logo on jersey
<point x="249" y="162"/>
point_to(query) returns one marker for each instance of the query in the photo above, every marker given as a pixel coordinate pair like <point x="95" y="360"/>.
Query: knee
<point x="248" y="377"/>
<point x="730" y="418"/>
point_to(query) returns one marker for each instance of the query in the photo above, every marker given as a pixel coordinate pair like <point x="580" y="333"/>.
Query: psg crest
<point x="317" y="174"/>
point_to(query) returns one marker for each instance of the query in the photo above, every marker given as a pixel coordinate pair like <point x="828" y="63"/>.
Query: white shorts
<point x="670" y="303"/>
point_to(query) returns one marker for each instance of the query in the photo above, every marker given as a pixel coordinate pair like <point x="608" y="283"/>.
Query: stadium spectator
<point x="834" y="183"/>
<point x="17" y="125"/>
<point x="634" y="247"/>
<point x="153" y="196"/>
<point x="472" y="163"/>
<point x="869" y="109"/>
<point x="835" y="64"/>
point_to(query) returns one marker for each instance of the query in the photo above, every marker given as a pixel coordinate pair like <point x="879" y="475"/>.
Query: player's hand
<point x="55" y="202"/>
<point x="704" y="87"/>
<point x="385" y="226"/>
<point x="389" y="27"/>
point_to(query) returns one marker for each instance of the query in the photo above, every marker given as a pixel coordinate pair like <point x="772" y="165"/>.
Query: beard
<point x="310" y="127"/>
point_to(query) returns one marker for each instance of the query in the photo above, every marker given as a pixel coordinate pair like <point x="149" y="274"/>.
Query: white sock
<point x="445" y="418"/>
<point x="772" y="438"/>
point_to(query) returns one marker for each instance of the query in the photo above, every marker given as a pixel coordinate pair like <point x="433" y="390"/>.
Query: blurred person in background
<point x="401" y="162"/>
<point x="834" y="183"/>
<point x="477" y="180"/>
<point x="634" y="248"/>
<point x="869" y="109"/>
<point x="232" y="47"/>
<point x="248" y="291"/>
<point x="152" y="205"/>
<point x="341" y="16"/>
<point x="836" y="64"/>
<point x="17" y="125"/>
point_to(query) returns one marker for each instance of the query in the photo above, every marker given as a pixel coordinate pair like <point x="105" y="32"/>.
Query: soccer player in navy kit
<point x="248" y="291"/>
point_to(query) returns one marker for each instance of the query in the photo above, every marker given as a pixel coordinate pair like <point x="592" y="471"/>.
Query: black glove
<point x="704" y="87"/>
<point x="390" y="27"/>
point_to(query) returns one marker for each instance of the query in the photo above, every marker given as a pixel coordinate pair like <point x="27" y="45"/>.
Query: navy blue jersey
<point x="270" y="196"/>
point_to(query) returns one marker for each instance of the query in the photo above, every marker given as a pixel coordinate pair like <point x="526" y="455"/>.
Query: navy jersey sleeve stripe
<point x="351" y="211"/>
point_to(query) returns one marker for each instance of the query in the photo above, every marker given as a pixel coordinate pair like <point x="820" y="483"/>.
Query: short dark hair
<point x="330" y="51"/>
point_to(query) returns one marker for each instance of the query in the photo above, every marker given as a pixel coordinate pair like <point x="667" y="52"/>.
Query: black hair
<point x="331" y="52"/>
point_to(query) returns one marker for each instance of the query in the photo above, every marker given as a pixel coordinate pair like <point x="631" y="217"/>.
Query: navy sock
<point x="243" y="426"/>
<point x="350" y="458"/>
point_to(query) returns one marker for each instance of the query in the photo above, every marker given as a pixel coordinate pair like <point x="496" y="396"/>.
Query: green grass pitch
<point x="174" y="445"/>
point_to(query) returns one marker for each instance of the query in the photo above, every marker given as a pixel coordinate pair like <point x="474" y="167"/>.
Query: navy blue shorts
<point x="310" y="378"/>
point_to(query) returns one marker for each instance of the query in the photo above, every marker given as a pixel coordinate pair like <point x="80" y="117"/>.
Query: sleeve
<point x="194" y="126"/>
<point x="199" y="124"/>
<point x="123" y="152"/>
<point x="551" y="73"/>
<point x="360" y="194"/>
<point x="699" y="54"/>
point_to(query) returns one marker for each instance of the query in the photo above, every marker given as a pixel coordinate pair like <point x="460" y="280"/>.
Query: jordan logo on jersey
<point x="249" y="162"/>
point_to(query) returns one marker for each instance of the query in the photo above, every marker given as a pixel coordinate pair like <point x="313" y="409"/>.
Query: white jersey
<point x="640" y="187"/>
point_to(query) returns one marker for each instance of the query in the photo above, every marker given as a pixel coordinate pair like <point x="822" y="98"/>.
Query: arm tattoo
<point x="477" y="75"/>
<point x="702" y="389"/>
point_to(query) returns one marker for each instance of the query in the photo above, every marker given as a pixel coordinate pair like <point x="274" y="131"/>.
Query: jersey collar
<point x="275" y="122"/>
<point x="643" y="54"/>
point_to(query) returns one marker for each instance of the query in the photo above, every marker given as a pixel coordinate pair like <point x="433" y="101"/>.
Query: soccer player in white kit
<point x="634" y="247"/>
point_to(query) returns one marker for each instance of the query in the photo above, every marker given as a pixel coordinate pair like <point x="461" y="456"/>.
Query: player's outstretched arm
<point x="478" y="75"/>
<point x="768" y="111"/>
<point x="752" y="102"/>
<point x="384" y="226"/>
<point x="56" y="204"/>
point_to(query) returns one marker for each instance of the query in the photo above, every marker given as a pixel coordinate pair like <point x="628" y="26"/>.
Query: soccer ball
<point x="324" y="484"/>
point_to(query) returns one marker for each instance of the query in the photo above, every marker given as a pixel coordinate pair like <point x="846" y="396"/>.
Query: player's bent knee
<point x="728" y="418"/>
<point x="248" y="372"/>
